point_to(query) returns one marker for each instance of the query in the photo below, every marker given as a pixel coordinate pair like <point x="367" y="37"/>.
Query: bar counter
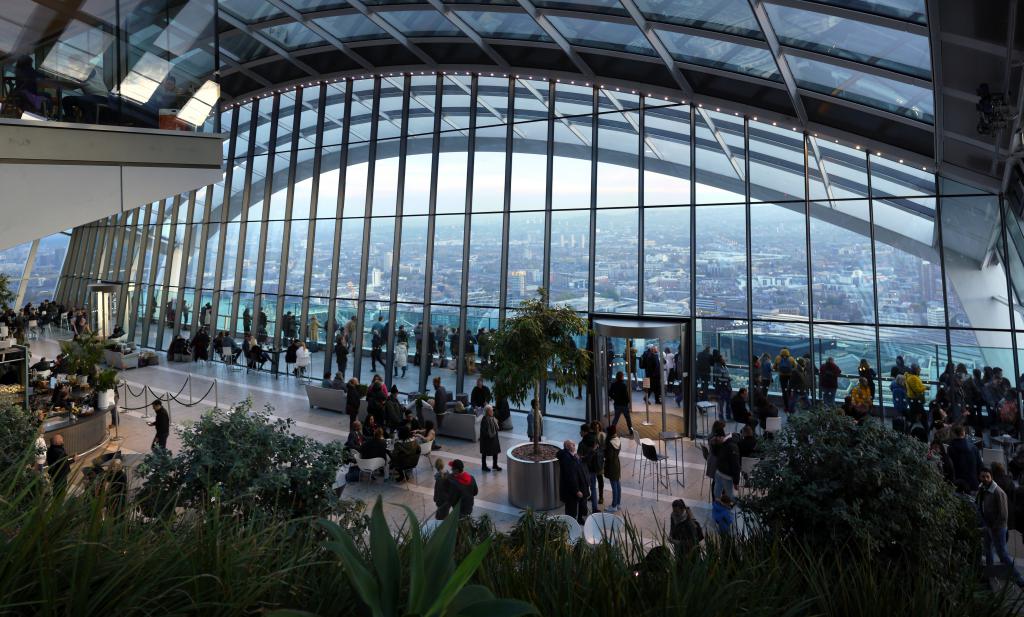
<point x="84" y="433"/>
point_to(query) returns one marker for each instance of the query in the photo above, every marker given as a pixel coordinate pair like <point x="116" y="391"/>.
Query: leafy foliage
<point x="536" y="345"/>
<point x="834" y="484"/>
<point x="7" y="296"/>
<point x="247" y="462"/>
<point x="437" y="585"/>
<point x="84" y="354"/>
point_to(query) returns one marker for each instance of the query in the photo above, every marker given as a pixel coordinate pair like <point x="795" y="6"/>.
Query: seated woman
<point x="763" y="408"/>
<point x="406" y="454"/>
<point x="748" y="441"/>
<point x="370" y="427"/>
<point x="376" y="447"/>
<point x="290" y="355"/>
<point x="425" y="434"/>
<point x="355" y="436"/>
<point x="201" y="346"/>
<point x="302" y="359"/>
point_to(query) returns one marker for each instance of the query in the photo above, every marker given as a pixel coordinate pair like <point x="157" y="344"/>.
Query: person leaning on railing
<point x="915" y="392"/>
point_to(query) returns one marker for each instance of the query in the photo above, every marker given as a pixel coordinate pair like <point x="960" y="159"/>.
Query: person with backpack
<point x="785" y="365"/>
<point x="828" y="380"/>
<point x="592" y="458"/>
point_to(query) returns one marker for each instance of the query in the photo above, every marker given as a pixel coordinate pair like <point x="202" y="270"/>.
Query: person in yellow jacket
<point x="861" y="399"/>
<point x="915" y="393"/>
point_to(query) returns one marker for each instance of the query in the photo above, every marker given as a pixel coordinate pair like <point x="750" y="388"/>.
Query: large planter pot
<point x="532" y="484"/>
<point x="105" y="399"/>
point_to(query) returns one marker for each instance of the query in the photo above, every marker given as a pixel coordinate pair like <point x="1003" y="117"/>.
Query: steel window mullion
<point x="342" y="172"/>
<point x="120" y="240"/>
<point x="592" y="248"/>
<point x="74" y="268"/>
<point x="26" y="272"/>
<point x="286" y="231"/>
<point x="428" y="278"/>
<point x="151" y="283"/>
<point x="314" y="200"/>
<point x="128" y="267"/>
<point x="467" y="220"/>
<point x="1011" y="301"/>
<point x="140" y="261"/>
<point x="186" y="256"/>
<point x="66" y="269"/>
<point x="268" y="190"/>
<point x="874" y="285"/>
<point x="244" y="217"/>
<point x="225" y="217"/>
<point x="549" y="158"/>
<point x="84" y="266"/>
<point x="691" y="422"/>
<point x="204" y="233"/>
<point x="749" y="247"/>
<point x="364" y="261"/>
<point x="507" y="200"/>
<point x="641" y="162"/>
<point x="396" y="248"/>
<point x="243" y="226"/>
<point x="942" y="272"/>
<point x="168" y="263"/>
<point x="809" y="264"/>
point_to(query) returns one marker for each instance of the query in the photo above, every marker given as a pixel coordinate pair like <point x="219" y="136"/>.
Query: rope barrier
<point x="166" y="397"/>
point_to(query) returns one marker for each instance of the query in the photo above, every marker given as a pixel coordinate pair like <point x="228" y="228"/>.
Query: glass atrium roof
<point x="784" y="56"/>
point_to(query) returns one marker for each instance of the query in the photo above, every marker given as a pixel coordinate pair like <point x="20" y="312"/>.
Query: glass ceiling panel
<point x="386" y="2"/>
<point x="251" y="12"/>
<point x="897" y="50"/>
<point x="421" y="23"/>
<point x="908" y="10"/>
<point x="720" y="54"/>
<point x="897" y="97"/>
<point x="243" y="47"/>
<point x="596" y="6"/>
<point x="732" y="16"/>
<point x="354" y="27"/>
<point x="293" y="36"/>
<point x="504" y="25"/>
<point x="603" y="34"/>
<point x="316" y="5"/>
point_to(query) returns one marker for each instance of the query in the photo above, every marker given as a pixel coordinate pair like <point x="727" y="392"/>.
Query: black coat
<point x="441" y="398"/>
<point x="162" y="423"/>
<point x="351" y="399"/>
<point x="727" y="456"/>
<point x="480" y="396"/>
<point x="57" y="463"/>
<point x="966" y="460"/>
<point x="619" y="393"/>
<point x="461" y="491"/>
<point x="489" y="443"/>
<point x="573" y="477"/>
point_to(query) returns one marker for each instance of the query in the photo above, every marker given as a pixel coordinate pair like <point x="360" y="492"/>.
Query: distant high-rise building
<point x="517" y="283"/>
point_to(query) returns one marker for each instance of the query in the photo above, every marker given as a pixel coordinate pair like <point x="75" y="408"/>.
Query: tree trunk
<point x="536" y="418"/>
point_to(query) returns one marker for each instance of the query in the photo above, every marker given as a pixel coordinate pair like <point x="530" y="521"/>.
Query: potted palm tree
<point x="534" y="346"/>
<point x="106" y="380"/>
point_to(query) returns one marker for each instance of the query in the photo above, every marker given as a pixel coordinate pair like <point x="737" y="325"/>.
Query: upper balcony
<point x="136" y="63"/>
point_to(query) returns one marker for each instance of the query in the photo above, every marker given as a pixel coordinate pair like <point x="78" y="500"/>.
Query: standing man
<point x="378" y="335"/>
<point x="574" y="487"/>
<point x="828" y="379"/>
<point x="652" y="370"/>
<point x="441" y="397"/>
<point x="461" y="489"/>
<point x="619" y="393"/>
<point x="703" y="373"/>
<point x="58" y="462"/>
<point x="995" y="514"/>
<point x="162" y="422"/>
<point x="341" y="353"/>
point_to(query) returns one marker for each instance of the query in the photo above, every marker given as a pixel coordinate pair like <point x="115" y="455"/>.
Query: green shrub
<point x="247" y="462"/>
<point x="833" y="483"/>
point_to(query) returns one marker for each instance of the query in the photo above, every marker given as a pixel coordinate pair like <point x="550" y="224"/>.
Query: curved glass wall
<point x="435" y="204"/>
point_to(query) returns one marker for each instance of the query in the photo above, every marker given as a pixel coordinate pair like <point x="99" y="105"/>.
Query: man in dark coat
<point x="703" y="372"/>
<point x="341" y="354"/>
<point x="58" y="462"/>
<point x="574" y="485"/>
<point x="162" y="423"/>
<point x="651" y="363"/>
<point x="352" y="399"/>
<point x="965" y="456"/>
<point x="480" y="395"/>
<point x="489" y="443"/>
<point x="461" y="489"/>
<point x="441" y="397"/>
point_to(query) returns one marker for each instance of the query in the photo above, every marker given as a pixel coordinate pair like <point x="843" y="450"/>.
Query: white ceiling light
<point x="197" y="109"/>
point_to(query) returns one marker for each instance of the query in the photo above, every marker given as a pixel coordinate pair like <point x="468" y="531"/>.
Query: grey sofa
<point x="121" y="361"/>
<point x="451" y="424"/>
<point x="331" y="400"/>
